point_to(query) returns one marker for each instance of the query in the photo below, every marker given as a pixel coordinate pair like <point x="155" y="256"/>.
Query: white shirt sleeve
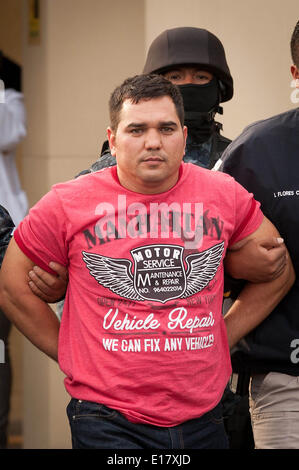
<point x="12" y="120"/>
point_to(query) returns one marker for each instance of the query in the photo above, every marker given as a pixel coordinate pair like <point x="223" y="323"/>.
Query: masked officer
<point x="194" y="59"/>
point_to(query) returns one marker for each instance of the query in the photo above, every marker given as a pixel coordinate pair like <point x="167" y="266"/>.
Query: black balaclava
<point x="201" y="102"/>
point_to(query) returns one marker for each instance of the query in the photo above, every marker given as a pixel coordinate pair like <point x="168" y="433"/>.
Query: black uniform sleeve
<point x="6" y="228"/>
<point x="104" y="161"/>
<point x="232" y="163"/>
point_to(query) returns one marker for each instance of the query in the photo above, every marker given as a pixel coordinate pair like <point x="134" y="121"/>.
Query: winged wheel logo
<point x="159" y="272"/>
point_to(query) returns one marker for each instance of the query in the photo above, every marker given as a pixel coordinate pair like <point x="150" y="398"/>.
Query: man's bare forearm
<point x="31" y="315"/>
<point x="35" y="319"/>
<point x="255" y="303"/>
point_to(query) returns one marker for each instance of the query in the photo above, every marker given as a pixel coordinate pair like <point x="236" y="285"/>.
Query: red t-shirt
<point x="142" y="328"/>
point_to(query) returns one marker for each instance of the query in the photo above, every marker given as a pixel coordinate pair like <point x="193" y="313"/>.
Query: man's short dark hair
<point x="295" y="45"/>
<point x="144" y="87"/>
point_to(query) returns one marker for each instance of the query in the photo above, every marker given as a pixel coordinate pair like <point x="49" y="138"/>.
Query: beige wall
<point x="11" y="28"/>
<point x="86" y="48"/>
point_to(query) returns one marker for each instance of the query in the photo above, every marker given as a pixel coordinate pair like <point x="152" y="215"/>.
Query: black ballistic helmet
<point x="194" y="47"/>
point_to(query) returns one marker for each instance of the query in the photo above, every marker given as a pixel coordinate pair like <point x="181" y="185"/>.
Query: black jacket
<point x="265" y="160"/>
<point x="6" y="228"/>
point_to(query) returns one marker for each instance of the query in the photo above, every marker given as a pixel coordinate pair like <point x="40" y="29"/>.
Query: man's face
<point x="185" y="75"/>
<point x="149" y="145"/>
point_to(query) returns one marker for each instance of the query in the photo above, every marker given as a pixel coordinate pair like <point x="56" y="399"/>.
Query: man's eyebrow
<point x="177" y="69"/>
<point x="168" y="124"/>
<point x="144" y="124"/>
<point x="136" y="125"/>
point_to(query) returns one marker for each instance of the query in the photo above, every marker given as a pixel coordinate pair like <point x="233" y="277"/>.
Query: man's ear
<point x="185" y="133"/>
<point x="111" y="140"/>
<point x="295" y="73"/>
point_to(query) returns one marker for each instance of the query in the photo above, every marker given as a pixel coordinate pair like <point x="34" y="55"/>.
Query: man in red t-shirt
<point x="142" y="341"/>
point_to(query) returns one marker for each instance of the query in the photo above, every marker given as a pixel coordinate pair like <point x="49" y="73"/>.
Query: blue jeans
<point x="95" y="426"/>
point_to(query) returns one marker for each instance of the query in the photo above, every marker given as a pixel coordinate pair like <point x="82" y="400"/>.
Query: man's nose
<point x="187" y="78"/>
<point x="153" y="139"/>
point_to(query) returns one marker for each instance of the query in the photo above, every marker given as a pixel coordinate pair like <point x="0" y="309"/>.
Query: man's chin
<point x="158" y="181"/>
<point x="153" y="176"/>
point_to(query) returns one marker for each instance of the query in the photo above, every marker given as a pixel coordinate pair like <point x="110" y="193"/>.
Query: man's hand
<point x="48" y="287"/>
<point x="264" y="260"/>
